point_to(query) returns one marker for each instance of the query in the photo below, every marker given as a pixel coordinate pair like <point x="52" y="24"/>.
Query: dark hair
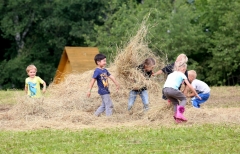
<point x="99" y="57"/>
<point x="149" y="62"/>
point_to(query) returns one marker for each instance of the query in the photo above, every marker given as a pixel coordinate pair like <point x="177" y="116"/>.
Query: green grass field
<point x="196" y="139"/>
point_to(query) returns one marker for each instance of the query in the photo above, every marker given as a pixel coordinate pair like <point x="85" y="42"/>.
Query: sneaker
<point x="130" y="112"/>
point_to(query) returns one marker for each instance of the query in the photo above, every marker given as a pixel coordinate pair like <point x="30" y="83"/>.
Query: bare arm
<point x="26" y="89"/>
<point x="185" y="90"/>
<point x="90" y="87"/>
<point x="191" y="95"/>
<point x="44" y="87"/>
<point x="192" y="89"/>
<point x="157" y="73"/>
<point x="115" y="82"/>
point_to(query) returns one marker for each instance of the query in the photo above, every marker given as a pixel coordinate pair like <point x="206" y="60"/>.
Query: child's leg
<point x="178" y="95"/>
<point x="169" y="93"/>
<point x="196" y="101"/>
<point x="174" y="95"/>
<point x="164" y="96"/>
<point x="100" y="108"/>
<point x="144" y="96"/>
<point x="132" y="98"/>
<point x="108" y="104"/>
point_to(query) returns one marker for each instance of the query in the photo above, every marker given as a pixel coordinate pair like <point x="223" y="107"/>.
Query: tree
<point x="219" y="20"/>
<point x="18" y="19"/>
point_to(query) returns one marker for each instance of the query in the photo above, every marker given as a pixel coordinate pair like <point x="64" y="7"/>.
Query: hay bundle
<point x="134" y="54"/>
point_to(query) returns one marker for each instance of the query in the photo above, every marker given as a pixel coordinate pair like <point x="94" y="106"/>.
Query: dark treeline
<point x="36" y="31"/>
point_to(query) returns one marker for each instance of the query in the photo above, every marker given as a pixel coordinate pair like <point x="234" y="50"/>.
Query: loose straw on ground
<point x="65" y="105"/>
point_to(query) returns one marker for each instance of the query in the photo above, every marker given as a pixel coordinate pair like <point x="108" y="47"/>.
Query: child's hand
<point x="117" y="87"/>
<point x="44" y="90"/>
<point x="136" y="88"/>
<point x="88" y="93"/>
<point x="199" y="97"/>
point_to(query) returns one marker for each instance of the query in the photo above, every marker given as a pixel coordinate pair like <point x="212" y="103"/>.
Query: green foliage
<point x="55" y="24"/>
<point x="12" y="73"/>
<point x="206" y="31"/>
<point x="195" y="139"/>
<point x="37" y="31"/>
<point x="222" y="22"/>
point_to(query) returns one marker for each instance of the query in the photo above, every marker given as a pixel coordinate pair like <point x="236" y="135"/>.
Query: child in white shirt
<point x="201" y="87"/>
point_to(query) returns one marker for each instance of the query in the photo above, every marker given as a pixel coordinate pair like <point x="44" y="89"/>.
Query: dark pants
<point x="174" y="96"/>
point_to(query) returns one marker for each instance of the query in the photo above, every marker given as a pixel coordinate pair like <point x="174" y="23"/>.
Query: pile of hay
<point x="66" y="105"/>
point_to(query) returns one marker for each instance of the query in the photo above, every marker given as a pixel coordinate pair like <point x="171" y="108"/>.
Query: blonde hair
<point x="182" y="57"/>
<point x="149" y="62"/>
<point x="31" y="67"/>
<point x="179" y="65"/>
<point x="193" y="73"/>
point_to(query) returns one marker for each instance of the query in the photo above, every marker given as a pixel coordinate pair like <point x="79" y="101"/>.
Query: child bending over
<point x="182" y="58"/>
<point x="172" y="92"/>
<point x="146" y="69"/>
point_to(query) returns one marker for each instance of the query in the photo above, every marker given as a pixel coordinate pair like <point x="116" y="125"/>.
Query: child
<point x="146" y="69"/>
<point x="171" y="90"/>
<point x="170" y="68"/>
<point x="201" y="87"/>
<point x="101" y="75"/>
<point x="32" y="83"/>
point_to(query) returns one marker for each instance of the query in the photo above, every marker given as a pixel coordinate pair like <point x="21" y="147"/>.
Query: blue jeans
<point x="196" y="101"/>
<point x="133" y="95"/>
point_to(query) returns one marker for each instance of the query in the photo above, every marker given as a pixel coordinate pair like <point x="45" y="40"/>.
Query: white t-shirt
<point x="174" y="80"/>
<point x="200" y="86"/>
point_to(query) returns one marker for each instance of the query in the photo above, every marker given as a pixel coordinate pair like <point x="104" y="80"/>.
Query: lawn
<point x="196" y="139"/>
<point x="9" y="96"/>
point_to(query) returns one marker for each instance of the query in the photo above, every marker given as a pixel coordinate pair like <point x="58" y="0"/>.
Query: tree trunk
<point x="19" y="38"/>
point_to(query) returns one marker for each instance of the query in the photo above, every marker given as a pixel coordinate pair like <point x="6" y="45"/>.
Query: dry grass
<point x="66" y="106"/>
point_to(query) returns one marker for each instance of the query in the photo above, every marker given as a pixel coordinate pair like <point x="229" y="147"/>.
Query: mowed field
<point x="215" y="128"/>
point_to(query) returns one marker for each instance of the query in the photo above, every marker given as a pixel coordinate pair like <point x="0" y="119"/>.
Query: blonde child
<point x="201" y="87"/>
<point x="172" y="92"/>
<point x="182" y="58"/>
<point x="32" y="83"/>
<point x="145" y="68"/>
<point x="101" y="75"/>
<point x="170" y="68"/>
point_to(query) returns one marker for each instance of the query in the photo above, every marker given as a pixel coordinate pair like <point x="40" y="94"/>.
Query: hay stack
<point x="65" y="105"/>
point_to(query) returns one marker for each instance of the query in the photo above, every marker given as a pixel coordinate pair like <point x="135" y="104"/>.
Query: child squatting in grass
<point x="32" y="83"/>
<point x="101" y="74"/>
<point x="146" y="69"/>
<point x="172" y="92"/>
<point x="201" y="88"/>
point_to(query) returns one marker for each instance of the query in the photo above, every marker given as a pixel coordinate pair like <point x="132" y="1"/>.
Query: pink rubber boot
<point x="177" y="120"/>
<point x="179" y="114"/>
